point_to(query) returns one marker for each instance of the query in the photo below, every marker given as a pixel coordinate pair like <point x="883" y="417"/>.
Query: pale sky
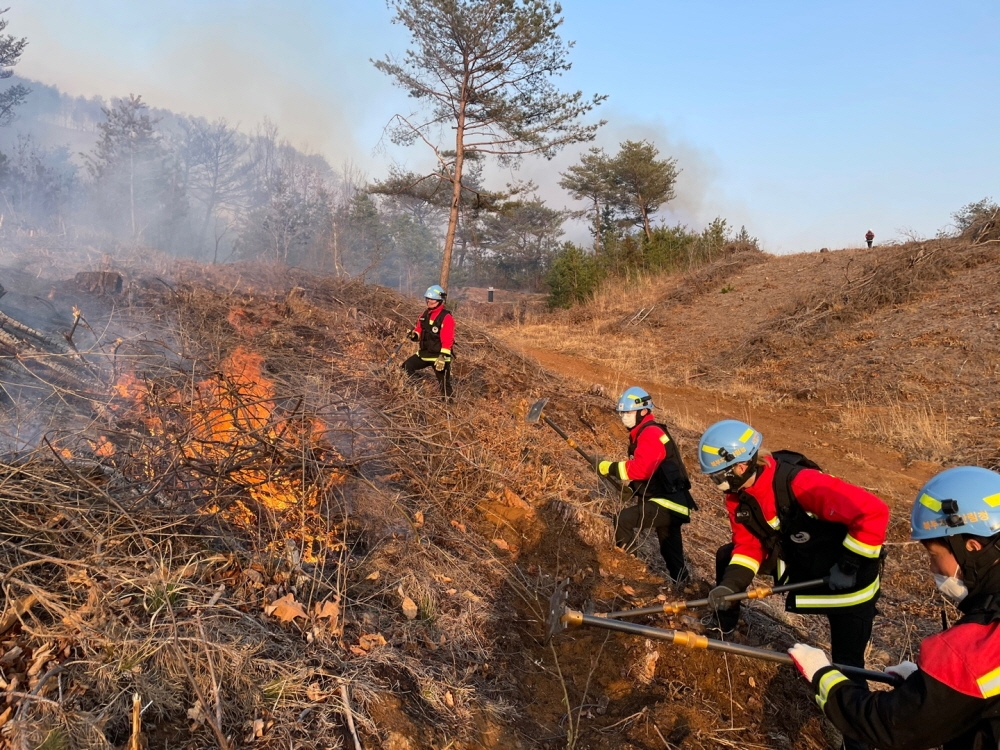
<point x="807" y="121"/>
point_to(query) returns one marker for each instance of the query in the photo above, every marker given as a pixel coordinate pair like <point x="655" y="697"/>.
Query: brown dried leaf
<point x="314" y="693"/>
<point x="373" y="576"/>
<point x="418" y="519"/>
<point x="328" y="609"/>
<point x="410" y="608"/>
<point x="286" y="609"/>
<point x="459" y="525"/>
<point x="512" y="500"/>
<point x="40" y="658"/>
<point x="501" y="543"/>
<point x="370" y="641"/>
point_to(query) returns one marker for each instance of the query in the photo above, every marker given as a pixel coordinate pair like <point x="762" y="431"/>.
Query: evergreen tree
<point x="484" y="69"/>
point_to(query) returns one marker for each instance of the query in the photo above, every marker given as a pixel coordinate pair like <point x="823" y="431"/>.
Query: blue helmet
<point x="963" y="500"/>
<point x="634" y="399"/>
<point x="726" y="444"/>
<point x="435" y="292"/>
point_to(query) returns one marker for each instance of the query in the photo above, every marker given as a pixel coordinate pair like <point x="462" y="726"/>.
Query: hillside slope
<point x="898" y="346"/>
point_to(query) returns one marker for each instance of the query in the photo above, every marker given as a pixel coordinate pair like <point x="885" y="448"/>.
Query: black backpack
<point x="787" y="465"/>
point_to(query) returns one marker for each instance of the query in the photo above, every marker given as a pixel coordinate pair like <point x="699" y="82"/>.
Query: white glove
<point x="904" y="669"/>
<point x="809" y="660"/>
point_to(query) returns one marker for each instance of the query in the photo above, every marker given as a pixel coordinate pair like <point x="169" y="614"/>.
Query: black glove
<point x="843" y="575"/>
<point x="717" y="598"/>
<point x="413" y="336"/>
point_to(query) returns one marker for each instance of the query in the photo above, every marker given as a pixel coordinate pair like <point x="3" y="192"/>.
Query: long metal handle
<point x="575" y="446"/>
<point x="398" y="347"/>
<point x="693" y="640"/>
<point x="673" y="608"/>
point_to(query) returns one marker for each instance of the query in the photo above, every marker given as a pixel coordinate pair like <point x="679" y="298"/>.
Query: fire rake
<point x="561" y="617"/>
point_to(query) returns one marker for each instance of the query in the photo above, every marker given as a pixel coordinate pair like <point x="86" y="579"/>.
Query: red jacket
<point x="649" y="452"/>
<point x="827" y="498"/>
<point x="952" y="700"/>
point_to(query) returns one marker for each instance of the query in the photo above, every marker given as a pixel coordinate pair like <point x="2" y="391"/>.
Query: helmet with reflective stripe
<point x="435" y="292"/>
<point x="634" y="399"/>
<point x="726" y="444"/>
<point x="963" y="500"/>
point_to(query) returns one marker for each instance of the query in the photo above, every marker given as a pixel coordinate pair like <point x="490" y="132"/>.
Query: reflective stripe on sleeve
<point x="669" y="505"/>
<point x="775" y="523"/>
<point x="839" y="600"/>
<point x="622" y="472"/>
<point x="826" y="684"/>
<point x="664" y="439"/>
<point x="746" y="562"/>
<point x="865" y="550"/>
<point x="989" y="683"/>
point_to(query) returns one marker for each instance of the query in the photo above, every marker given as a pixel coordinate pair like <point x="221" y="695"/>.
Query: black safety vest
<point x="430" y="334"/>
<point x="669" y="480"/>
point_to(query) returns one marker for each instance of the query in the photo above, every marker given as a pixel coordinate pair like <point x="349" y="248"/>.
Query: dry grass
<point x="917" y="429"/>
<point x="395" y="505"/>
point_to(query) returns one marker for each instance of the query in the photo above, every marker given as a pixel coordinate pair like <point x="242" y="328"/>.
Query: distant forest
<point x="123" y="171"/>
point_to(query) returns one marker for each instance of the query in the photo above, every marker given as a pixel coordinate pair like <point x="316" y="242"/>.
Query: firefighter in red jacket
<point x="659" y="482"/>
<point x="435" y="331"/>
<point x="869" y="237"/>
<point x="798" y="524"/>
<point x="951" y="697"/>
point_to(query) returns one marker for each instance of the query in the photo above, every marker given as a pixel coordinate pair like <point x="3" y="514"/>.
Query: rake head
<point x="557" y="608"/>
<point x="535" y="412"/>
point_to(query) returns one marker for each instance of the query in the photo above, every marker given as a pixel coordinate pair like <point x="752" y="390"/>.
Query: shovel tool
<point x="535" y="415"/>
<point x="562" y="617"/>
<point x="673" y="608"/>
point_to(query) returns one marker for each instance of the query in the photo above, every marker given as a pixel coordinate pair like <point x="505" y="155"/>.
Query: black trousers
<point x="414" y="363"/>
<point x="647" y="515"/>
<point x="850" y="630"/>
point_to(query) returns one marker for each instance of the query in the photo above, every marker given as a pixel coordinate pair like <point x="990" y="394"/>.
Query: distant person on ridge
<point x="659" y="482"/>
<point x="435" y="332"/>
<point x="796" y="523"/>
<point x="869" y="238"/>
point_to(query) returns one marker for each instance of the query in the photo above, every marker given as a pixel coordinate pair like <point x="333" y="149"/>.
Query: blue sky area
<point x="807" y="121"/>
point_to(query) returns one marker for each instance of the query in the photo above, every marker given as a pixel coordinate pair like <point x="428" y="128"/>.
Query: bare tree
<point x="484" y="68"/>
<point x="127" y="158"/>
<point x="218" y="168"/>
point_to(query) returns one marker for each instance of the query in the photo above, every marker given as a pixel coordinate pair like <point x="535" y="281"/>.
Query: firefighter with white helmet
<point x="435" y="332"/>
<point x="655" y="473"/>
<point x="951" y="696"/>
<point x="797" y="523"/>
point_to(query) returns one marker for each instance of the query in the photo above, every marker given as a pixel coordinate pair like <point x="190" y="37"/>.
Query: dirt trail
<point x="799" y="427"/>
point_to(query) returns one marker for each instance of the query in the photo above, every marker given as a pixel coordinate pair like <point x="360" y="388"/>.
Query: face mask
<point x="951" y="586"/>
<point x="628" y="419"/>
